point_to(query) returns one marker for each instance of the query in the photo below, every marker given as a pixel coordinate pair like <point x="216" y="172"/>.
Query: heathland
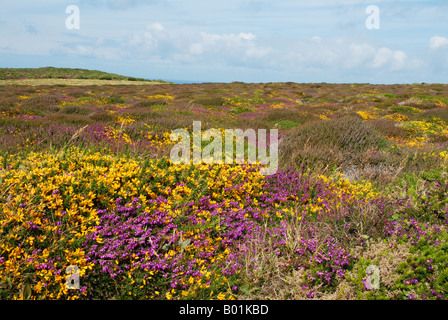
<point x="86" y="180"/>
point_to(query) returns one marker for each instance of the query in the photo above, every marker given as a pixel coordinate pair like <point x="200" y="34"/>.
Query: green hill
<point x="62" y="73"/>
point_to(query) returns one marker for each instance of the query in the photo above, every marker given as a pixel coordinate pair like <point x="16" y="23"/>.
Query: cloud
<point x="7" y="50"/>
<point x="97" y="48"/>
<point x="255" y="6"/>
<point x="187" y="46"/>
<point x="345" y="54"/>
<point x="30" y="28"/>
<point x="438" y="55"/>
<point x="396" y="60"/>
<point x="87" y="51"/>
<point x="183" y="46"/>
<point x="119" y="4"/>
<point x="437" y="42"/>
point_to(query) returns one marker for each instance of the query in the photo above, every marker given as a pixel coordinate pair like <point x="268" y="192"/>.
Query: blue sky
<point x="233" y="40"/>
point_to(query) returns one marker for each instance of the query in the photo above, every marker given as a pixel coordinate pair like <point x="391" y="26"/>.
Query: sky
<point x="303" y="41"/>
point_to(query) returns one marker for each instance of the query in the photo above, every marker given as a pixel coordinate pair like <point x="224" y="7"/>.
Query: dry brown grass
<point x="270" y="282"/>
<point x="387" y="259"/>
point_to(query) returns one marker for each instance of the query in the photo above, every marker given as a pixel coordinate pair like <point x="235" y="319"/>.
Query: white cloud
<point x="437" y="42"/>
<point x="156" y="43"/>
<point x="345" y="54"/>
<point x="438" y="56"/>
<point x="247" y="36"/>
<point x="156" y="27"/>
<point x="396" y="60"/>
<point x="360" y="53"/>
<point x="118" y="4"/>
<point x="196" y="49"/>
<point x="184" y="45"/>
<point x="30" y="28"/>
<point x="88" y="51"/>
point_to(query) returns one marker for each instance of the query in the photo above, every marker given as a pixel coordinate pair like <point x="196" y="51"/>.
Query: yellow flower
<point x="367" y="115"/>
<point x="397" y="117"/>
<point x="221" y="296"/>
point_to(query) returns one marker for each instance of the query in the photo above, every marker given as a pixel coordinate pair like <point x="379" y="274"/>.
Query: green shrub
<point x="45" y="103"/>
<point x="76" y="119"/>
<point x="286" y="124"/>
<point x="278" y="115"/>
<point x="210" y="101"/>
<point x="149" y="104"/>
<point x="436" y="113"/>
<point x="349" y="134"/>
<point x="431" y="202"/>
<point x="425" y="272"/>
<point x="113" y="100"/>
<point x="73" y="109"/>
<point x="405" y="109"/>
<point x="240" y="109"/>
<point x="340" y="142"/>
<point x="387" y="128"/>
<point x="101" y="117"/>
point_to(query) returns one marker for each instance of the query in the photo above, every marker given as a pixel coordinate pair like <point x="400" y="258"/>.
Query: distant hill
<point x="62" y="73"/>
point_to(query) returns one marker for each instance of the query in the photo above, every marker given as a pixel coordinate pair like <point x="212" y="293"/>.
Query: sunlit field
<point x="86" y="180"/>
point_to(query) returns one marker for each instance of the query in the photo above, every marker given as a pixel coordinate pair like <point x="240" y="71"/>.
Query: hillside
<point x="62" y="73"/>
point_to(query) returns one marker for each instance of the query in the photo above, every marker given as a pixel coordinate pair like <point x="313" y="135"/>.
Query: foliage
<point x="86" y="180"/>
